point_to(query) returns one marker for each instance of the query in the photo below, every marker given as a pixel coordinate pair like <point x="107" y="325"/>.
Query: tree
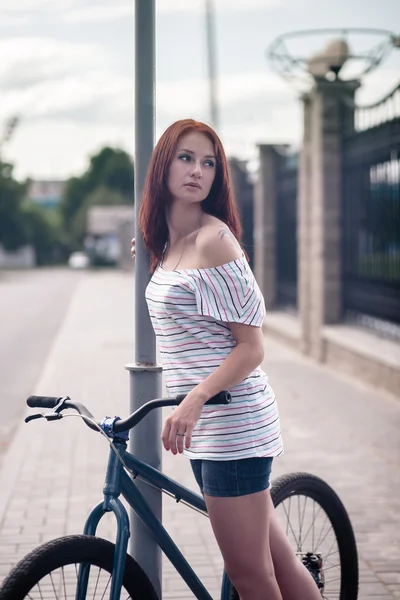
<point x="101" y="196"/>
<point x="113" y="169"/>
<point x="75" y="191"/>
<point x="109" y="179"/>
<point x="44" y="233"/>
<point x="13" y="229"/>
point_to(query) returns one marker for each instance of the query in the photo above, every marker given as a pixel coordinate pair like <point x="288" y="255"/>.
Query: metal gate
<point x="286" y="231"/>
<point x="371" y="216"/>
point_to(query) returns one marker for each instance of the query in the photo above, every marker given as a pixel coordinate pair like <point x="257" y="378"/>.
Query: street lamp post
<point x="145" y="374"/>
<point x="211" y="61"/>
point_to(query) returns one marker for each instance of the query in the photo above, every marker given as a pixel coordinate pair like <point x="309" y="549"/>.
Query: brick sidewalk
<point x="52" y="474"/>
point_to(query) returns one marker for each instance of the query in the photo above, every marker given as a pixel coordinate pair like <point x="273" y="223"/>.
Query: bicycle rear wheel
<point x="319" y="529"/>
<point x="51" y="571"/>
<point x="318" y="525"/>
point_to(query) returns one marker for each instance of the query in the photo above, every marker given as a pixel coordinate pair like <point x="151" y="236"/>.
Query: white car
<point x="79" y="260"/>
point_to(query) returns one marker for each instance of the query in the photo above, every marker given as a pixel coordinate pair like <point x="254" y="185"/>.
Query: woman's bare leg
<point x="258" y="557"/>
<point x="241" y="526"/>
<point x="295" y="582"/>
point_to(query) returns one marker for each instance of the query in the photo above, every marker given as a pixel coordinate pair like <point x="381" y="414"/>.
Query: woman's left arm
<point x="246" y="356"/>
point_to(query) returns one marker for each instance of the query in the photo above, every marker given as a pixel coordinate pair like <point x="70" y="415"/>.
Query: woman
<point x="207" y="312"/>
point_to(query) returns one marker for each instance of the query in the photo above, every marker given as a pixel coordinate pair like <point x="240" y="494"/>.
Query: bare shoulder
<point x="216" y="244"/>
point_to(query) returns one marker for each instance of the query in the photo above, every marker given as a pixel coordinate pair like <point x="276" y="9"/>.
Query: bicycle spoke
<point x="302" y="518"/>
<point x="324" y="538"/>
<point x="108" y="583"/>
<point x="40" y="592"/>
<point x="54" y="587"/>
<point x="97" y="583"/>
<point x="63" y="579"/>
<point x="312" y="527"/>
<point x="322" y="529"/>
<point x="288" y="519"/>
<point x="291" y="528"/>
<point x="314" y="522"/>
<point x="331" y="567"/>
<point x="309" y="529"/>
<point x="61" y="584"/>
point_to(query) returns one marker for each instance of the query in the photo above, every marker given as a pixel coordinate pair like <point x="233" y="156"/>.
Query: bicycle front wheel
<point x="51" y="572"/>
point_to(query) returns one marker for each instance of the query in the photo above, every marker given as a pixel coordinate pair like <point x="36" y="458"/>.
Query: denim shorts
<point x="229" y="478"/>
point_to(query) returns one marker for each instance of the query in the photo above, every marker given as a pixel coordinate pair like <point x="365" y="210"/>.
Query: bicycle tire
<point x="310" y="486"/>
<point x="72" y="550"/>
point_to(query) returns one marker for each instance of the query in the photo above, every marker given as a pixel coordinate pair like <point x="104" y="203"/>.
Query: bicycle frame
<point x="118" y="482"/>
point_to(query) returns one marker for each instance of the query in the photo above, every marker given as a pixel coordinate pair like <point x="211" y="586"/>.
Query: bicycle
<point x="63" y="565"/>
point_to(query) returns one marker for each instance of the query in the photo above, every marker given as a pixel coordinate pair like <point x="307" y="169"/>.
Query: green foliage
<point x="44" y="233"/>
<point x="113" y="169"/>
<point x="13" y="231"/>
<point x="101" y="196"/>
<point x="75" y="191"/>
<point x="109" y="180"/>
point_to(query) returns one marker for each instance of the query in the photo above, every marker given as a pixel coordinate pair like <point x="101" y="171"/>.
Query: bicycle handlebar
<point x="43" y="401"/>
<point x="223" y="397"/>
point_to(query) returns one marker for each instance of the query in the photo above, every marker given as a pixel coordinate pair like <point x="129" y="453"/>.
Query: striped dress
<point x="190" y="310"/>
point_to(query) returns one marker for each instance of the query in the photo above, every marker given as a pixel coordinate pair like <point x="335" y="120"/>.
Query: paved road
<point x="32" y="307"/>
<point x="334" y="427"/>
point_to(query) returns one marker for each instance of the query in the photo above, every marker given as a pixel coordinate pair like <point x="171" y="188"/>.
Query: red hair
<point x="156" y="196"/>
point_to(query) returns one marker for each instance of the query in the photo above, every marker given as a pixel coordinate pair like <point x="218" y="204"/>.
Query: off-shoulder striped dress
<point x="190" y="310"/>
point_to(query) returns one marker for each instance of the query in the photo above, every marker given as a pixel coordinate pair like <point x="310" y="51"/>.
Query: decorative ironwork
<point x="386" y="109"/>
<point x="300" y="56"/>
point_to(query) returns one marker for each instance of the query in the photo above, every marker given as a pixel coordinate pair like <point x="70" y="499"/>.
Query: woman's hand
<point x="179" y="425"/>
<point x="133" y="253"/>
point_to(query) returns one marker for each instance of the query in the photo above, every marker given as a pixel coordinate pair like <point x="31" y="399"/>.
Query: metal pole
<point x="145" y="374"/>
<point x="211" y="55"/>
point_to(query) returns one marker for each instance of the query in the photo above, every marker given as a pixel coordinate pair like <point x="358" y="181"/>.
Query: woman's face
<point x="193" y="168"/>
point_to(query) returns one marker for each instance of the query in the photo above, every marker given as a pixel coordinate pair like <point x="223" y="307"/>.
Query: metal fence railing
<point x="371" y="215"/>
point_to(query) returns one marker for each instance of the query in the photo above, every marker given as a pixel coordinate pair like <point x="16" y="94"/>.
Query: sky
<point x="67" y="72"/>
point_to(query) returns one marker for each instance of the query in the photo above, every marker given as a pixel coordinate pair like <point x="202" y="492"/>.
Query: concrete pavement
<point x="33" y="304"/>
<point x="334" y="427"/>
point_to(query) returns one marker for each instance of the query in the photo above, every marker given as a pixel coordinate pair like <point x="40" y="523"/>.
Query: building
<point x="46" y="193"/>
<point x="108" y="233"/>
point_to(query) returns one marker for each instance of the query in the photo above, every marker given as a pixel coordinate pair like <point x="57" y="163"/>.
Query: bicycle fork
<point x="111" y="503"/>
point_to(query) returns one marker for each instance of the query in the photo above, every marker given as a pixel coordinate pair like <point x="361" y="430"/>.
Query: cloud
<point x="47" y="78"/>
<point x="31" y="60"/>
<point x="20" y="12"/>
<point x="13" y="20"/>
<point x="43" y="149"/>
<point x="198" y="5"/>
<point x="104" y="13"/>
<point x="192" y="95"/>
<point x="92" y="97"/>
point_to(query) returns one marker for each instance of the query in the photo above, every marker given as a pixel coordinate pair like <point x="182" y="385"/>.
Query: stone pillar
<point x="304" y="229"/>
<point x="328" y="111"/>
<point x="265" y="199"/>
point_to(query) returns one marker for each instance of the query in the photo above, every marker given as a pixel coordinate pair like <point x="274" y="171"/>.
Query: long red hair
<point x="156" y="196"/>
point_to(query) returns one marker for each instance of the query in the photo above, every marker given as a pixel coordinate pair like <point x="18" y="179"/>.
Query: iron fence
<point x="286" y="230"/>
<point x="371" y="218"/>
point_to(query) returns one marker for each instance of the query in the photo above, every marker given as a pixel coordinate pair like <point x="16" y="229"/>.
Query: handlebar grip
<point x="42" y="401"/>
<point x="223" y="397"/>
